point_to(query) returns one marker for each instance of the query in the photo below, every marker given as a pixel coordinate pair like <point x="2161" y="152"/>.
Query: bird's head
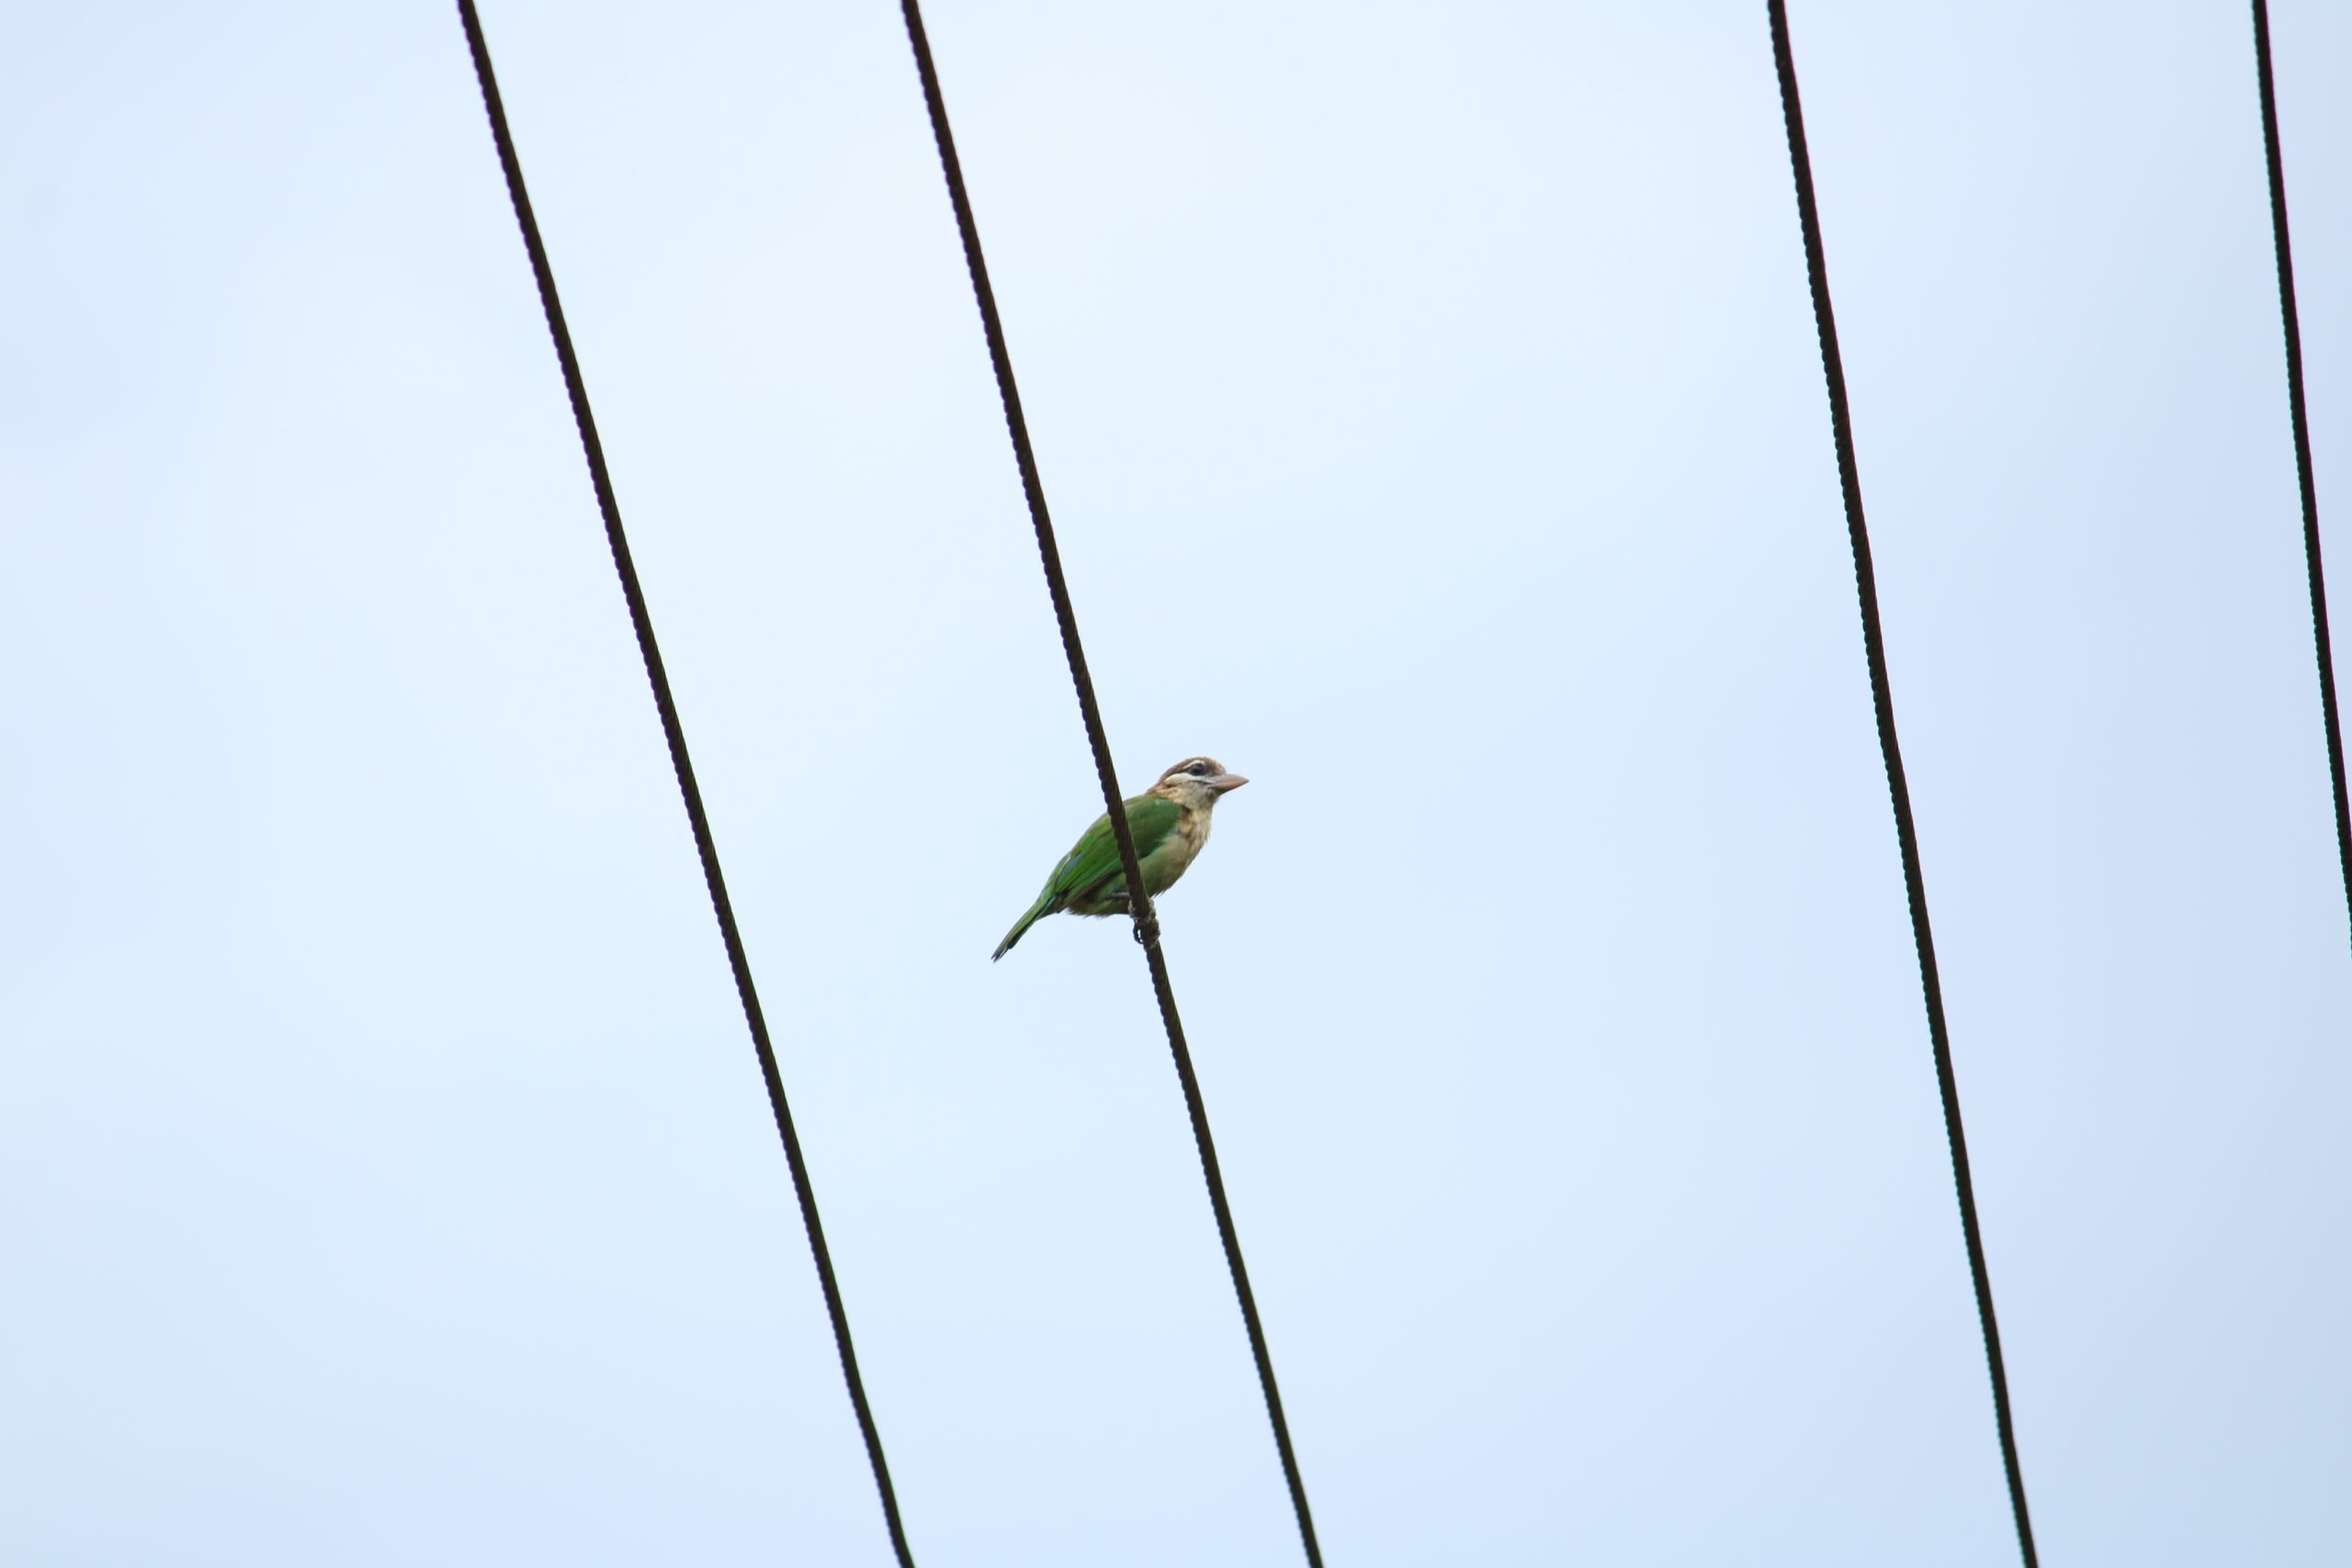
<point x="1197" y="782"/>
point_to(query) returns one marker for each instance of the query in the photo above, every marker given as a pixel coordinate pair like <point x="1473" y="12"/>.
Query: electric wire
<point x="705" y="845"/>
<point x="1883" y="700"/>
<point x="1146" y="923"/>
<point x="2301" y="425"/>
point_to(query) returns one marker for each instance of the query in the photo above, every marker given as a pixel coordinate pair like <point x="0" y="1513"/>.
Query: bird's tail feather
<point x="1036" y="911"/>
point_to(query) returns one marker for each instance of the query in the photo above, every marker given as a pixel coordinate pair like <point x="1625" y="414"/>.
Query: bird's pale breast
<point x="1177" y="850"/>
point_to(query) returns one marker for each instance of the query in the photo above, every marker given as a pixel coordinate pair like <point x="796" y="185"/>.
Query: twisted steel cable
<point x="1906" y="831"/>
<point x="1147" y="922"/>
<point x="2301" y="422"/>
<point x="675" y="732"/>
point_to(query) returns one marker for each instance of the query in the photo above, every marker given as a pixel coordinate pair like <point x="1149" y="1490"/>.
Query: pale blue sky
<point x="1429" y="401"/>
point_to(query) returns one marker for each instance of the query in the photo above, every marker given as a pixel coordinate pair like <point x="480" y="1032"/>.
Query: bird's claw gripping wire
<point x="1147" y="930"/>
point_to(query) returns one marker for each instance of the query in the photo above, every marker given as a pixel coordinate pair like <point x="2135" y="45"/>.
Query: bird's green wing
<point x="1093" y="865"/>
<point x="1095" y="860"/>
<point x="1150" y="817"/>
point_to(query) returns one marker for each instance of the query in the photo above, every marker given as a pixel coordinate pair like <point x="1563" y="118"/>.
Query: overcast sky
<point x="1429" y="399"/>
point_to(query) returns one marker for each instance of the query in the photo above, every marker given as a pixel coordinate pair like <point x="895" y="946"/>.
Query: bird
<point x="1171" y="822"/>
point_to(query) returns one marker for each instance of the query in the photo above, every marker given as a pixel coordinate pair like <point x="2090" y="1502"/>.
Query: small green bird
<point x="1170" y="825"/>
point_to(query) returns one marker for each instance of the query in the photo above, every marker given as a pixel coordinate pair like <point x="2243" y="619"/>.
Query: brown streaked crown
<point x="1199" y="767"/>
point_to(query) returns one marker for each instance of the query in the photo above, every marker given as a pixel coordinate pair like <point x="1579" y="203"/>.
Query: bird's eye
<point x="1198" y="770"/>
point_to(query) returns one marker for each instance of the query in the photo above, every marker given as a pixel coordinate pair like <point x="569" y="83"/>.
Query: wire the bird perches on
<point x="1146" y="923"/>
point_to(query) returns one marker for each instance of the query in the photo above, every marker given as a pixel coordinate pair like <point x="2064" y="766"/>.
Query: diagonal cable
<point x="2302" y="423"/>
<point x="675" y="733"/>
<point x="1882" y="699"/>
<point x="1147" y="922"/>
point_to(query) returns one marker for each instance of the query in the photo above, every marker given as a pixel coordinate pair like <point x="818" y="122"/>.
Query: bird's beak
<point x="1224" y="783"/>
